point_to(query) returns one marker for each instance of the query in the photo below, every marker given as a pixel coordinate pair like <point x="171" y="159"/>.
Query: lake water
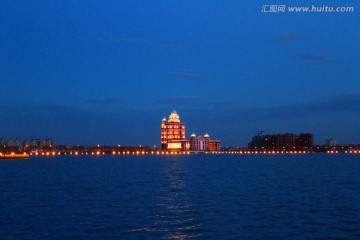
<point x="313" y="196"/>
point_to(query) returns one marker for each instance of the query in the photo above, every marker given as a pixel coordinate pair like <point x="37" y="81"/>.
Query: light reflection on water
<point x="174" y="213"/>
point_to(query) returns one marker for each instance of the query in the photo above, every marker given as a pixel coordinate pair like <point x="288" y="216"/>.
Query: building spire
<point x="174" y="117"/>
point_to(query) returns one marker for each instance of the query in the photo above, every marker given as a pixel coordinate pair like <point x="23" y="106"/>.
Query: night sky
<point x="107" y="72"/>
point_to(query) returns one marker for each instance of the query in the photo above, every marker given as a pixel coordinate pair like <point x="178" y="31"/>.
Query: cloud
<point x="172" y="46"/>
<point x="186" y="74"/>
<point x="198" y="103"/>
<point x="343" y="102"/>
<point x="51" y="105"/>
<point x="314" y="57"/>
<point x="347" y="102"/>
<point x="132" y="41"/>
<point x="106" y="101"/>
<point x="121" y="41"/>
<point x="185" y="100"/>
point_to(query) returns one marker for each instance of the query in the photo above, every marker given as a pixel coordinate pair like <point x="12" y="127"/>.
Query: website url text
<point x="308" y="9"/>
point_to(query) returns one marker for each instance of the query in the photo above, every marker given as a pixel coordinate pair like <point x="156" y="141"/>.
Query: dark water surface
<point x="315" y="196"/>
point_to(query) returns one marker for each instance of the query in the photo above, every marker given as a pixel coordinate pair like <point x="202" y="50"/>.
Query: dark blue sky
<point x="107" y="72"/>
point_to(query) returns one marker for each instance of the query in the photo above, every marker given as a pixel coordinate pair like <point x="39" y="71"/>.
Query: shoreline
<point x="165" y="153"/>
<point x="11" y="156"/>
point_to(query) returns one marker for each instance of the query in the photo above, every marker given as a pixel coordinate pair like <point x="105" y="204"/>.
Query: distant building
<point x="305" y="141"/>
<point x="256" y="142"/>
<point x="330" y="142"/>
<point x="214" y="145"/>
<point x="287" y="141"/>
<point x="37" y="143"/>
<point x="10" y="142"/>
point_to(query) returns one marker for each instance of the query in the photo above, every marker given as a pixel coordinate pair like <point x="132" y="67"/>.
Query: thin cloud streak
<point x="286" y="38"/>
<point x="315" y="57"/>
<point x="106" y="101"/>
<point x="349" y="102"/>
<point x="186" y="74"/>
<point x="186" y="100"/>
<point x="135" y="42"/>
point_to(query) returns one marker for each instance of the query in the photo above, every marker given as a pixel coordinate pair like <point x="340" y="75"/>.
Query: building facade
<point x="287" y="141"/>
<point x="37" y="143"/>
<point x="203" y="143"/>
<point x="173" y="133"/>
<point x="214" y="145"/>
<point x="9" y="142"/>
<point x="200" y="143"/>
<point x="330" y="142"/>
<point x="305" y="141"/>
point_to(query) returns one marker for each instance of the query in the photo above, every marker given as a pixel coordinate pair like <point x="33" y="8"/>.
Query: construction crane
<point x="260" y="133"/>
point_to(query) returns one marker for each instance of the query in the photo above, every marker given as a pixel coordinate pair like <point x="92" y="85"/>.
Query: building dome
<point x="164" y="119"/>
<point x="174" y="117"/>
<point x="193" y="135"/>
<point x="206" y="135"/>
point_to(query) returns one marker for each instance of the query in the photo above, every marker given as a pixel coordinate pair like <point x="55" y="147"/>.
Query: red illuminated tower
<point x="172" y="132"/>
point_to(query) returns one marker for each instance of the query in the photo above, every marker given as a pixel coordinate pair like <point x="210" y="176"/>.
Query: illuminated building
<point x="200" y="143"/>
<point x="173" y="133"/>
<point x="214" y="145"/>
<point x="173" y="137"/>
<point x="203" y="143"/>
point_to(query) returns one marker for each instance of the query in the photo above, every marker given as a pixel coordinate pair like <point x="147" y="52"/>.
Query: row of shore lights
<point x="103" y="153"/>
<point x="349" y="152"/>
<point x="181" y="153"/>
<point x="13" y="154"/>
<point x="178" y="153"/>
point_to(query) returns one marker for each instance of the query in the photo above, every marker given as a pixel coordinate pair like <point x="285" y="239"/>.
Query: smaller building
<point x="330" y="142"/>
<point x="200" y="143"/>
<point x="214" y="145"/>
<point x="37" y="143"/>
<point x="305" y="141"/>
<point x="10" y="142"/>
<point x="203" y="143"/>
